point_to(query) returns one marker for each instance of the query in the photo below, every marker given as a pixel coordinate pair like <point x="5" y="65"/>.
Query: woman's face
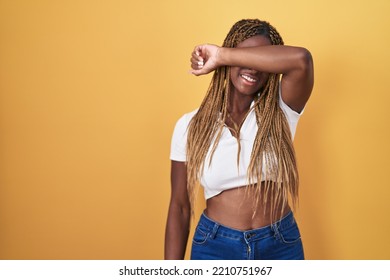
<point x="248" y="81"/>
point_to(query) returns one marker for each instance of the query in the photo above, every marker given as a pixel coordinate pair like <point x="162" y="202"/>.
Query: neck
<point x="239" y="104"/>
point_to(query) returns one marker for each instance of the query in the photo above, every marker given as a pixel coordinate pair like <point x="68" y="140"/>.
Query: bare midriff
<point x="234" y="208"/>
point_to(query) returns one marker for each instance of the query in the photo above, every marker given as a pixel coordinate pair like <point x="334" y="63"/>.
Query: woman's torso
<point x="237" y="208"/>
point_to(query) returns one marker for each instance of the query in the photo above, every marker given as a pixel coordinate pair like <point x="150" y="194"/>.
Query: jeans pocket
<point x="201" y="234"/>
<point x="290" y="235"/>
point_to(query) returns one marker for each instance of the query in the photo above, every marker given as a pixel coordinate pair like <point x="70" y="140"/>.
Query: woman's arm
<point x="178" y="223"/>
<point x="294" y="63"/>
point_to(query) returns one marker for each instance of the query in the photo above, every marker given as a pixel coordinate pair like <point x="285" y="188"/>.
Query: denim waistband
<point x="249" y="235"/>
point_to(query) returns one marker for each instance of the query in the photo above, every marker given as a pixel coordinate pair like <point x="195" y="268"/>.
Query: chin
<point x="249" y="93"/>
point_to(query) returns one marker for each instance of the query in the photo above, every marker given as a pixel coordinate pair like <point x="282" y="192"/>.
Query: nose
<point x="251" y="71"/>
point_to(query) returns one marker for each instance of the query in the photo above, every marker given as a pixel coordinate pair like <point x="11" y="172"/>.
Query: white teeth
<point x="249" y="79"/>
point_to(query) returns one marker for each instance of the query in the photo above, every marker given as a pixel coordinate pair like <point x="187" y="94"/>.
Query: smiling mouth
<point x="248" y="78"/>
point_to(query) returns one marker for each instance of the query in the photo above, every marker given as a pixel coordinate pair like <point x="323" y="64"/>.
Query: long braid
<point x="272" y="147"/>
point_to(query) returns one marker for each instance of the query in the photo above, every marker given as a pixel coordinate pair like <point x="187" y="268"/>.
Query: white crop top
<point x="223" y="172"/>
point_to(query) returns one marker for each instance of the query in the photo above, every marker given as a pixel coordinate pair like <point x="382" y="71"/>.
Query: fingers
<point x="197" y="65"/>
<point x="197" y="72"/>
<point x="197" y="61"/>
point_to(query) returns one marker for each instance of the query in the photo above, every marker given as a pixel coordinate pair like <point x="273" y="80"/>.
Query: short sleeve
<point x="291" y="115"/>
<point x="179" y="138"/>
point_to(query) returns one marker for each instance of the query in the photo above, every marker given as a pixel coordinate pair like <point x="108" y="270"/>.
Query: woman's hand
<point x="204" y="59"/>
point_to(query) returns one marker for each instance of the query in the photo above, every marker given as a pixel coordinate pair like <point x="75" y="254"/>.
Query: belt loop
<point x="275" y="228"/>
<point x="214" y="231"/>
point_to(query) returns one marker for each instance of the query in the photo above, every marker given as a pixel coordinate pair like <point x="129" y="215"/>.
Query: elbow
<point x="180" y="208"/>
<point x="305" y="60"/>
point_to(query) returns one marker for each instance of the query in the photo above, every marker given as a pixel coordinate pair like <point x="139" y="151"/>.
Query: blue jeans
<point x="278" y="241"/>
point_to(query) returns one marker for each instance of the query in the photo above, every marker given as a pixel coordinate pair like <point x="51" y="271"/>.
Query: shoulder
<point x="179" y="137"/>
<point x="185" y="119"/>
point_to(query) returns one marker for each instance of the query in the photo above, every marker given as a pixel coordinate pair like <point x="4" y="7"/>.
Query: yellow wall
<point x="90" y="92"/>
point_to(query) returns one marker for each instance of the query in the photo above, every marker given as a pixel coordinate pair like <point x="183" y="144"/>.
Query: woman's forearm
<point x="271" y="59"/>
<point x="176" y="234"/>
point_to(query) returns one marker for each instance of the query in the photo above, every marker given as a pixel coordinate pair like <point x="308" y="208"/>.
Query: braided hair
<point x="272" y="146"/>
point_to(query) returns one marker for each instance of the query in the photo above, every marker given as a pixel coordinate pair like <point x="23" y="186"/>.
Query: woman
<point x="238" y="146"/>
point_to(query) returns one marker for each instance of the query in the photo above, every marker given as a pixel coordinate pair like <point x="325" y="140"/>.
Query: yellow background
<point x="90" y="92"/>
